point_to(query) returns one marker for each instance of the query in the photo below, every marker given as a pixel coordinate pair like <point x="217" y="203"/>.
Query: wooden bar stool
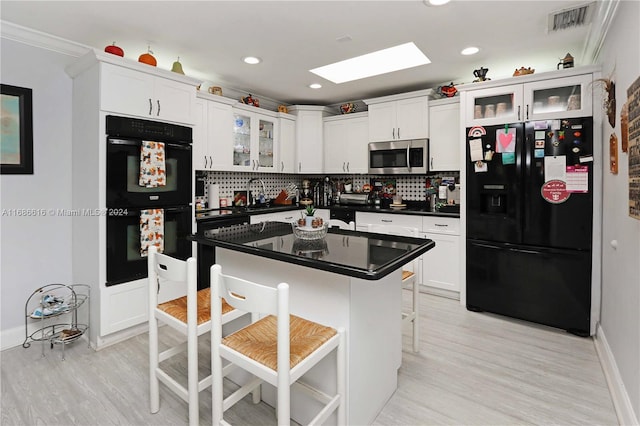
<point x="189" y="314"/>
<point x="277" y="349"/>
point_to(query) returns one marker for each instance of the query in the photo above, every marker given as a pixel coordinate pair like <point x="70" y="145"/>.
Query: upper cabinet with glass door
<point x="253" y="141"/>
<point x="494" y="105"/>
<point x="566" y="97"/>
<point x="550" y="98"/>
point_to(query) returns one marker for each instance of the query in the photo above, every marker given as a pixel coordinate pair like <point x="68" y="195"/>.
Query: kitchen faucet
<point x="249" y="197"/>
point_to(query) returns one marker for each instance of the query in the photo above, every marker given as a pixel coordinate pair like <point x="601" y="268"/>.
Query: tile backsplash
<point x="409" y="187"/>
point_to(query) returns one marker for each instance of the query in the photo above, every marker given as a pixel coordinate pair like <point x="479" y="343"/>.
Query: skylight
<point x="383" y="61"/>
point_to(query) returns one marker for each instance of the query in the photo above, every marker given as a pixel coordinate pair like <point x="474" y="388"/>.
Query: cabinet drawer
<point x="441" y="225"/>
<point x="364" y="218"/>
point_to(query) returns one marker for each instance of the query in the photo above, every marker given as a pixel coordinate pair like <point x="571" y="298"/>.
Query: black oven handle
<point x="129" y="142"/>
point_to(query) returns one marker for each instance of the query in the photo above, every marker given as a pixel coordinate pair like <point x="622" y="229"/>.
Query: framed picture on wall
<point x="16" y="126"/>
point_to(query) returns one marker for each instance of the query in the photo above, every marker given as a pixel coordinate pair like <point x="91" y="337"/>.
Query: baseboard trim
<point x="619" y="395"/>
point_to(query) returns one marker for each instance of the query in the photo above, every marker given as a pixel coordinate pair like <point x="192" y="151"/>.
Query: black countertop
<point x="416" y="208"/>
<point x="363" y="255"/>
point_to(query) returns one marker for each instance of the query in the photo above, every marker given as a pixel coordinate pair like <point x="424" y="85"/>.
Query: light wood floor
<point x="473" y="369"/>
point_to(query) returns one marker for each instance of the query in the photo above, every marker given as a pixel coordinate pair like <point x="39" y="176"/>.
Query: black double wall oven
<point x="127" y="198"/>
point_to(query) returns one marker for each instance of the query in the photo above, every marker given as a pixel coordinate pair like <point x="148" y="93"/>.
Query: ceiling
<point x="291" y="37"/>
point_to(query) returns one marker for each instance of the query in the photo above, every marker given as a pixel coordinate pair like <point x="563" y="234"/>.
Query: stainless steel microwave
<point x="399" y="157"/>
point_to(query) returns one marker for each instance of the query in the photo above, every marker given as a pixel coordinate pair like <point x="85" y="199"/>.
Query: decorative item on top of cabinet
<point x="177" y="67"/>
<point x="523" y="71"/>
<point x="566" y="62"/>
<point x="480" y="74"/>
<point x="447" y="91"/>
<point x="148" y="58"/>
<point x="114" y="50"/>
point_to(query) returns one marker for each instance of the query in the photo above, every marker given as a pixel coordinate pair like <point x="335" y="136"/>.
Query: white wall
<point x="35" y="251"/>
<point x="620" y="316"/>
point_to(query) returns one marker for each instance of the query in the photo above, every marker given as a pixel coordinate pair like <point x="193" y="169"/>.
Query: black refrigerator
<point x="529" y="221"/>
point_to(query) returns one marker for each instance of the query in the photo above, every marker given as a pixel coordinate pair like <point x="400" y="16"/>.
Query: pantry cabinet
<point x="309" y="138"/>
<point x="346" y="143"/>
<point x="286" y="148"/>
<point x="552" y="97"/>
<point x="132" y="92"/>
<point x="399" y="117"/>
<point x="444" y="135"/>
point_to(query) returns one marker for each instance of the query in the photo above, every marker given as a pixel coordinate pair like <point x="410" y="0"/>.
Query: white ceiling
<point x="291" y="37"/>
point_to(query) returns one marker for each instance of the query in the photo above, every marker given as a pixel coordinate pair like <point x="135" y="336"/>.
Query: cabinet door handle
<point x="441" y="225"/>
<point x="158" y="101"/>
<point x="527" y="111"/>
<point x="386" y="220"/>
<point x="518" y="112"/>
<point x="205" y="161"/>
<point x="398" y="132"/>
<point x="288" y="218"/>
<point x="299" y="166"/>
<point x="347" y="167"/>
<point x="393" y="133"/>
<point x="431" y="163"/>
<point x="150" y="106"/>
<point x="282" y="166"/>
<point x="210" y="161"/>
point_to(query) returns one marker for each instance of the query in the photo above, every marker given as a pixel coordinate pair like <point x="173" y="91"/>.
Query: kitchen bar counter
<point x="368" y="256"/>
<point x="348" y="279"/>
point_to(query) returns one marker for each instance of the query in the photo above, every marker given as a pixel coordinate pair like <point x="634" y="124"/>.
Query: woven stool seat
<point x="406" y="274"/>
<point x="177" y="308"/>
<point x="259" y="341"/>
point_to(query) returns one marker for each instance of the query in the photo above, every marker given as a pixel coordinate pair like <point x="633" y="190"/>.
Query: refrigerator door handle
<point x="525" y="251"/>
<point x="489" y="246"/>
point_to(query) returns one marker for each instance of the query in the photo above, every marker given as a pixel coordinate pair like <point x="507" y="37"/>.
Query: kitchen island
<point x="347" y="279"/>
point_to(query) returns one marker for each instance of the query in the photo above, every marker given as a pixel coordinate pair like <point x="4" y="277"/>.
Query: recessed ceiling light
<point x="381" y="62"/>
<point x="470" y="50"/>
<point x="251" y="60"/>
<point x="315" y="85"/>
<point x="436" y="2"/>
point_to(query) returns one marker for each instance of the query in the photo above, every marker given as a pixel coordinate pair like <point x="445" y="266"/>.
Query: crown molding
<point x="602" y="20"/>
<point x="41" y="40"/>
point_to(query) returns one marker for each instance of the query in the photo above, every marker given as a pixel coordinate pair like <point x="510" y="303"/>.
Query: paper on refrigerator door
<point x="555" y="168"/>
<point x="475" y="149"/>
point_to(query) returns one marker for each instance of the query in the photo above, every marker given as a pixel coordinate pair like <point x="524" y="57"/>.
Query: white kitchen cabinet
<point x="444" y="135"/>
<point x="548" y="96"/>
<point x="254" y="140"/>
<point x="286" y="147"/>
<point x="212" y="133"/>
<point x="399" y="117"/>
<point x="309" y="138"/>
<point x="346" y="140"/>
<point x="132" y="92"/>
<point x="441" y="265"/>
<point x="105" y="84"/>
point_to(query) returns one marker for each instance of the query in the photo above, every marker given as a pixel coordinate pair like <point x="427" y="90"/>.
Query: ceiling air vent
<point x="571" y="18"/>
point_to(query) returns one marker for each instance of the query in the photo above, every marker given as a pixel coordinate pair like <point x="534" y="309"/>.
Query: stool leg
<point x="192" y="373"/>
<point x="416" y="329"/>
<point x="154" y="386"/>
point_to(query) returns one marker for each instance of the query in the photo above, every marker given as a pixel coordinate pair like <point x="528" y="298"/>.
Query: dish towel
<point x="152" y="164"/>
<point x="151" y="230"/>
